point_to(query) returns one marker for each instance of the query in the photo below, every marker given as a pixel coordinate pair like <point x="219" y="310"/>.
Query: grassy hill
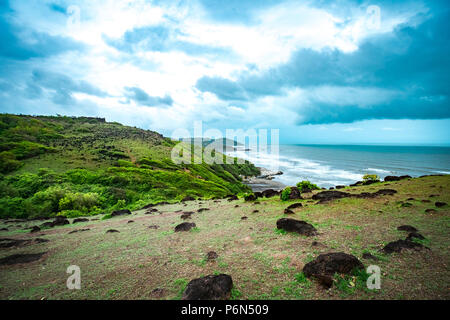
<point x="85" y="166"/>
<point x="146" y="259"/>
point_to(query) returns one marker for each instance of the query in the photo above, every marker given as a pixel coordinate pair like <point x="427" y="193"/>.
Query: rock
<point x="369" y="256"/>
<point x="112" y="231"/>
<point x="433" y="195"/>
<point x="399" y="245"/>
<point x="60" y="221"/>
<point x="236" y="206"/>
<point x="407" y="228"/>
<point x="410" y="199"/>
<point x="211" y="256"/>
<point x="21" y="258"/>
<point x="440" y="204"/>
<point x="430" y="211"/>
<point x="244" y="218"/>
<point x="258" y="194"/>
<point x="131" y="221"/>
<point x="301" y="227"/>
<point x="255" y="211"/>
<point x="151" y="211"/>
<point x="35" y="229"/>
<point x="326" y="265"/>
<point x="250" y="197"/>
<point x="4" y="229"/>
<point x="153" y="227"/>
<point x="158" y="293"/>
<point x="295" y="206"/>
<point x="288" y="211"/>
<point x="340" y="187"/>
<point x="185" y="216"/>
<point x="395" y="178"/>
<point x="211" y="287"/>
<point x="120" y="213"/>
<point x="426" y="201"/>
<point x="202" y="209"/>
<point x="415" y="235"/>
<point x="294" y="194"/>
<point x="325" y="196"/>
<point x="188" y="198"/>
<point x="369" y="182"/>
<point x="80" y="220"/>
<point x="325" y="281"/>
<point x="80" y="230"/>
<point x="269" y="193"/>
<point x="185" y="226"/>
<point x="233" y="198"/>
<point x="8" y="243"/>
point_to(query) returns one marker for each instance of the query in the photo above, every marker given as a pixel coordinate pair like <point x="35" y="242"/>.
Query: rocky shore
<point x="264" y="181"/>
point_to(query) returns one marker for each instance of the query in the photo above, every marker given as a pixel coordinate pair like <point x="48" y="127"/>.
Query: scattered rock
<point x="255" y="211"/>
<point x="233" y="198"/>
<point x="433" y="195"/>
<point x="395" y="178"/>
<point x="415" y="235"/>
<point x="407" y="228"/>
<point x="188" y="198"/>
<point x="250" y="197"/>
<point x="80" y="230"/>
<point x="158" y="293"/>
<point x="185" y="226"/>
<point x="151" y="211"/>
<point x="185" y="216"/>
<point x="301" y="227"/>
<point x="80" y="220"/>
<point x="211" y="287"/>
<point x="211" y="256"/>
<point x="440" y="204"/>
<point x="410" y="199"/>
<point x="325" y="196"/>
<point x="295" y="206"/>
<point x="294" y="194"/>
<point x="202" y="209"/>
<point x="131" y="221"/>
<point x="326" y="265"/>
<point x="244" y="218"/>
<point x="269" y="193"/>
<point x="21" y="258"/>
<point x="288" y="211"/>
<point x="120" y="213"/>
<point x="35" y="229"/>
<point x="369" y="256"/>
<point x="8" y="243"/>
<point x="399" y="245"/>
<point x="340" y="187"/>
<point x="112" y="231"/>
<point x="236" y="206"/>
<point x="4" y="229"/>
<point x="153" y="227"/>
<point x="430" y="211"/>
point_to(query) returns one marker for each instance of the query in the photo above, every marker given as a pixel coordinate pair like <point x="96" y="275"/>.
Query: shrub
<point x="84" y="202"/>
<point x="306" y="185"/>
<point x="285" y="194"/>
<point x="124" y="163"/>
<point x="8" y="162"/>
<point x="371" y="177"/>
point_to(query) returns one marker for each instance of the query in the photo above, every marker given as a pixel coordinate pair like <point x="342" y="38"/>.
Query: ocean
<point x="331" y="165"/>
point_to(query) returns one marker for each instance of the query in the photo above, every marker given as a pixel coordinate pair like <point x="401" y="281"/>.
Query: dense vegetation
<point x="84" y="166"/>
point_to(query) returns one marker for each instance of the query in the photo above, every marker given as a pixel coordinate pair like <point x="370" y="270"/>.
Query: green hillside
<point x="85" y="166"/>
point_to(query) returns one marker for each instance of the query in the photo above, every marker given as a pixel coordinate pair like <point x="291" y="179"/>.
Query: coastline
<point x="264" y="181"/>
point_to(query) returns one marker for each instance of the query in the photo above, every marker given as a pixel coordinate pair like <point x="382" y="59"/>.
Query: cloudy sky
<point x="320" y="71"/>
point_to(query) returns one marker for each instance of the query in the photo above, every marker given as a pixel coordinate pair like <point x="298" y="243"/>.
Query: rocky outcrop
<point x="211" y="287"/>
<point x="300" y="227"/>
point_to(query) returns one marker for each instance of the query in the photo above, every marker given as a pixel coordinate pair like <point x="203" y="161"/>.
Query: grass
<point x="263" y="262"/>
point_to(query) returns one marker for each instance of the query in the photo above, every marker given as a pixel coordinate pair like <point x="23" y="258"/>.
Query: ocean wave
<point x="377" y="170"/>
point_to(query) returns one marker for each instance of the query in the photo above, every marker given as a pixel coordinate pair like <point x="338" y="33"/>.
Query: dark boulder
<point x="131" y="221"/>
<point x="301" y="227"/>
<point x="188" y="198"/>
<point x="153" y="227"/>
<point x="185" y="216"/>
<point x="399" y="245"/>
<point x="80" y="220"/>
<point x="233" y="198"/>
<point x="185" y="226"/>
<point x="244" y="218"/>
<point x="211" y="287"/>
<point x="120" y="213"/>
<point x="35" y="229"/>
<point x="21" y="258"/>
<point x="202" y="209"/>
<point x="326" y="265"/>
<point x="440" y="204"/>
<point x="294" y="193"/>
<point x="340" y="187"/>
<point x="112" y="231"/>
<point x="4" y="229"/>
<point x="415" y="235"/>
<point x="212" y="255"/>
<point x="250" y="197"/>
<point x="269" y="193"/>
<point x="295" y="206"/>
<point x="60" y="221"/>
<point x="325" y="196"/>
<point x="258" y="194"/>
<point x="288" y="211"/>
<point x="369" y="256"/>
<point x="395" y="178"/>
<point x="407" y="228"/>
<point x="430" y="211"/>
<point x="80" y="230"/>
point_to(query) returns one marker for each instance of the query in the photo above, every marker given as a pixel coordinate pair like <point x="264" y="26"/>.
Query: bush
<point x="124" y="163"/>
<point x="8" y="162"/>
<point x="285" y="194"/>
<point x="306" y="185"/>
<point x="371" y="177"/>
<point x="83" y="202"/>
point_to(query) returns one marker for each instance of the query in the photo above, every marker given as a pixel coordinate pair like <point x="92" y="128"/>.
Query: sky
<point x="326" y="72"/>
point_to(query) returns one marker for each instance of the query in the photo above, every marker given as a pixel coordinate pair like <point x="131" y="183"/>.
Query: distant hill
<point x="83" y="166"/>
